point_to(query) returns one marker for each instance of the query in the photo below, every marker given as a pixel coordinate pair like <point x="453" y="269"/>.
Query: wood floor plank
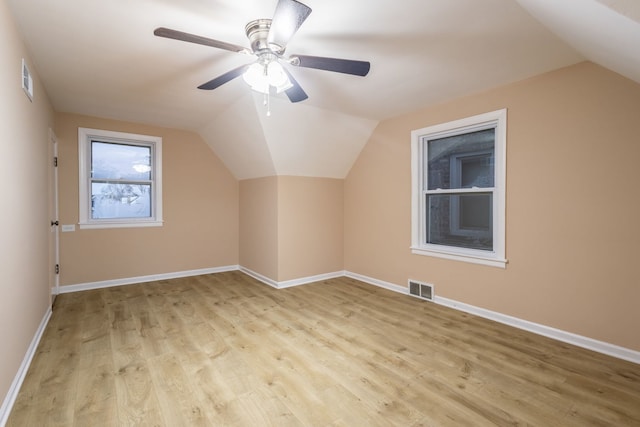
<point x="179" y="405"/>
<point x="260" y="407"/>
<point x="224" y="349"/>
<point x="284" y="369"/>
<point x="51" y="382"/>
<point x="95" y="395"/>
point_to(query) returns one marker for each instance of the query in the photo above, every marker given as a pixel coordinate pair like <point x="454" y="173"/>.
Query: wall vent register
<point x="421" y="290"/>
<point x="27" y="81"/>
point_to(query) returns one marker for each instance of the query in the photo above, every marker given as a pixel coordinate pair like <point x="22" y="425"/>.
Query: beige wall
<point x="259" y="225"/>
<point x="291" y="227"/>
<point x="310" y="226"/>
<point x="200" y="211"/>
<point x="24" y="246"/>
<point x="572" y="224"/>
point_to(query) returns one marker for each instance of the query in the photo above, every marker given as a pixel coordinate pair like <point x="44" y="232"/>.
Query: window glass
<point x="463" y="221"/>
<point x="474" y="171"/>
<point x="115" y="200"/>
<point x="461" y="161"/>
<point x="119" y="180"/>
<point x="120" y="161"/>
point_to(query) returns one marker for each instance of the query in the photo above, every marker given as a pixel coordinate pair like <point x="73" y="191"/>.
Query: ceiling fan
<point x="268" y="39"/>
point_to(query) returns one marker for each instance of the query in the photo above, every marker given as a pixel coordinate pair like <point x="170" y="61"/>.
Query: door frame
<point x="54" y="239"/>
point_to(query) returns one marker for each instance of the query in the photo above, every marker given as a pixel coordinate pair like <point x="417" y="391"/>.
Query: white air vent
<point x="27" y="80"/>
<point x="421" y="290"/>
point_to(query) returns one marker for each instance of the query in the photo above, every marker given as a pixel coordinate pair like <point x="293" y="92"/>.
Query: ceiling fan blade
<point x="192" y="38"/>
<point x="288" y="17"/>
<point x="346" y="66"/>
<point x="295" y="93"/>
<point x="224" y="78"/>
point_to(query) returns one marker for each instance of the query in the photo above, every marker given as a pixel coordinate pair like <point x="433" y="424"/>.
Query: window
<point x="120" y="179"/>
<point x="458" y="189"/>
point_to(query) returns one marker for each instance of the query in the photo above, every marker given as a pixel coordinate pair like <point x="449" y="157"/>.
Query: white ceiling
<point x="101" y="58"/>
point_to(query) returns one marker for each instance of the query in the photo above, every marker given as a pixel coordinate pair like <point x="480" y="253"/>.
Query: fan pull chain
<point x="267" y="103"/>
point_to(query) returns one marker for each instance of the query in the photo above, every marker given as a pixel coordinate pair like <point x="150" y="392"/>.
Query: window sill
<point x="119" y="224"/>
<point x="474" y="259"/>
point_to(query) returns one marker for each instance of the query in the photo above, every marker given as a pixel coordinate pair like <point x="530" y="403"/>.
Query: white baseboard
<point x="12" y="394"/>
<point x="290" y="283"/>
<point x="557" y="334"/>
<point x="259" y="277"/>
<point x="378" y="283"/>
<point x="141" y="279"/>
<point x="309" y="279"/>
<point x="547" y="331"/>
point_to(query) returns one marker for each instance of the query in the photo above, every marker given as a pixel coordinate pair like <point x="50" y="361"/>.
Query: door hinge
<point x="55" y="162"/>
<point x="57" y="268"/>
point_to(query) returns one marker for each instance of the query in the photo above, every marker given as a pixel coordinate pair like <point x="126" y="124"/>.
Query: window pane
<point x="461" y="220"/>
<point x="110" y="200"/>
<point x="120" y="161"/>
<point x="461" y="161"/>
<point x="475" y="171"/>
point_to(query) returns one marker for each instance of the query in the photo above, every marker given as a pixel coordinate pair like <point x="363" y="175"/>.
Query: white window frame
<point x="85" y="137"/>
<point x="419" y="138"/>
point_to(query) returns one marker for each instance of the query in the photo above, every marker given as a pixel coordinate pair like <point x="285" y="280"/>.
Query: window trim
<point x="496" y="258"/>
<point x="85" y="137"/>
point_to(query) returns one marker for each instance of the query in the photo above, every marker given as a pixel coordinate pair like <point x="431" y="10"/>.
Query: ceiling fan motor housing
<point x="258" y="31"/>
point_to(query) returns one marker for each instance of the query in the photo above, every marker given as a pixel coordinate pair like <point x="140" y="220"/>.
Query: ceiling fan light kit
<point x="268" y="39"/>
<point x="261" y="77"/>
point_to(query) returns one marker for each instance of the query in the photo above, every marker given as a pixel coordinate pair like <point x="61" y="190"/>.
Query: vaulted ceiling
<point x="101" y="58"/>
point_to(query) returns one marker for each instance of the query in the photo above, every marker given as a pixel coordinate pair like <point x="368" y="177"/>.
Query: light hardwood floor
<point x="224" y="349"/>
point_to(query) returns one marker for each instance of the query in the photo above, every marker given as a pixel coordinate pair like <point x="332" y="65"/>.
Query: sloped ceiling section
<point x="312" y="141"/>
<point x="237" y="137"/>
<point x="606" y="32"/>
<point x="301" y="141"/>
<point x="629" y="8"/>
